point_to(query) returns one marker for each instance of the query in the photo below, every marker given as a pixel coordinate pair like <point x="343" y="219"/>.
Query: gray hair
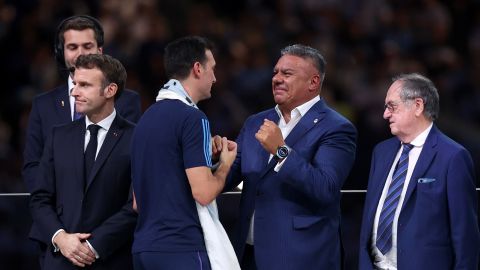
<point x="417" y="86"/>
<point x="307" y="52"/>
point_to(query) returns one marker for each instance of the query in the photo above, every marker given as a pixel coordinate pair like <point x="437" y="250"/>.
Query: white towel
<point x="219" y="249"/>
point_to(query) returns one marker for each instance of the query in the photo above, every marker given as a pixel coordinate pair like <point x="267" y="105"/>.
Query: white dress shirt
<point x="295" y="117"/>
<point x="71" y="98"/>
<point x="389" y="260"/>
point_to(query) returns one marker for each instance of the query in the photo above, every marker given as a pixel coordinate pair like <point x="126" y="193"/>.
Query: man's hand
<point x="228" y="151"/>
<point x="216" y="148"/>
<point x="74" y="248"/>
<point x="270" y="136"/>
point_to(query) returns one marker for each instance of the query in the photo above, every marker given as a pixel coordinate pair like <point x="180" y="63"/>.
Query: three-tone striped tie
<point x="384" y="231"/>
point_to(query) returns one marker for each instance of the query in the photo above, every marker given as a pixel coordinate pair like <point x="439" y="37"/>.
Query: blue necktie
<point x="384" y="231"/>
<point x="76" y="115"/>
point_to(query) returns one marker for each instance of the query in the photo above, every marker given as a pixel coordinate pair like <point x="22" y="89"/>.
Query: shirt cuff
<point x="94" y="251"/>
<point x="55" y="248"/>
<point x="279" y="165"/>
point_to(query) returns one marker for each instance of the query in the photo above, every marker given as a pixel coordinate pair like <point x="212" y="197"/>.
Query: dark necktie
<point x="384" y="230"/>
<point x="91" y="149"/>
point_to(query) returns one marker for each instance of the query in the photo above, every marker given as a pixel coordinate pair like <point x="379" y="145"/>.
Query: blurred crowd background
<point x="364" y="42"/>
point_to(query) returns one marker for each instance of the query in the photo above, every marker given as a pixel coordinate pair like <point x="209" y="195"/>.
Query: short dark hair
<point x="113" y="71"/>
<point x="307" y="52"/>
<point x="181" y="54"/>
<point x="79" y="23"/>
<point x="415" y="86"/>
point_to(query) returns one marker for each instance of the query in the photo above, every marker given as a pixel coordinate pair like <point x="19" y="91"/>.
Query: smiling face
<point x="79" y="42"/>
<point x="92" y="98"/>
<point x="295" y="81"/>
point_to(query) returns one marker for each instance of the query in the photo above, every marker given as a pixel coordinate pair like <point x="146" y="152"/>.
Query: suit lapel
<point x="78" y="138"/>
<point x="385" y="161"/>
<point x="114" y="134"/>
<point x="62" y="105"/>
<point x="313" y="117"/>
<point x="424" y="160"/>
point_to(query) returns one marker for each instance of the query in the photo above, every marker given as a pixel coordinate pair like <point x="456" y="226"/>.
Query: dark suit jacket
<point x="104" y="209"/>
<point x="438" y="225"/>
<point x="53" y="108"/>
<point x="297" y="210"/>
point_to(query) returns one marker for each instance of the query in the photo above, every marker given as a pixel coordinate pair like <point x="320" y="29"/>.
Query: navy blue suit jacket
<point x="104" y="209"/>
<point x="53" y="108"/>
<point x="297" y="210"/>
<point x="438" y="225"/>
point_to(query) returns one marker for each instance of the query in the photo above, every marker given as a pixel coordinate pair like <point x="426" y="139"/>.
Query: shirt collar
<point x="106" y="123"/>
<point x="176" y="87"/>
<point x="422" y="137"/>
<point x="302" y="109"/>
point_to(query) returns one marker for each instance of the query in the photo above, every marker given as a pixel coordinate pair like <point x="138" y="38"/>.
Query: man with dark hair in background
<point x="421" y="206"/>
<point x="75" y="36"/>
<point x="82" y="203"/>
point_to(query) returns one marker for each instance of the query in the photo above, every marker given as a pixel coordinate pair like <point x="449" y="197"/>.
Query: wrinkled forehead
<point x="393" y="93"/>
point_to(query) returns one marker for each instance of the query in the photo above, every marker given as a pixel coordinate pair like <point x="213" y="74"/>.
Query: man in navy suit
<point x="293" y="160"/>
<point x="421" y="206"/>
<point x="75" y="36"/>
<point x="82" y="204"/>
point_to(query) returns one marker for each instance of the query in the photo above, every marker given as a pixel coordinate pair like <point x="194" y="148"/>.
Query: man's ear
<point x="419" y="106"/>
<point x="315" y="83"/>
<point x="197" y="69"/>
<point x="110" y="90"/>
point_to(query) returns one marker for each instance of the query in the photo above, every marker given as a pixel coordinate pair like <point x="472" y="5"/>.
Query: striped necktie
<point x="384" y="231"/>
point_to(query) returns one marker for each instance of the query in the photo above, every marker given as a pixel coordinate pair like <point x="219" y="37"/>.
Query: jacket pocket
<point x="304" y="222"/>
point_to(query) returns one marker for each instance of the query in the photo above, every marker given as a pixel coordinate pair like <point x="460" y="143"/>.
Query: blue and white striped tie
<point x="384" y="231"/>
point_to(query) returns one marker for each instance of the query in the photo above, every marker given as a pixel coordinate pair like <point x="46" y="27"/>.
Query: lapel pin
<point x="115" y="134"/>
<point x="63" y="104"/>
<point x="315" y="121"/>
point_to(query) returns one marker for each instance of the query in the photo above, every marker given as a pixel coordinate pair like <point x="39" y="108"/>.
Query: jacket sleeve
<point x="116" y="231"/>
<point x="43" y="197"/>
<point x="128" y="106"/>
<point x="34" y="144"/>
<point x="463" y="209"/>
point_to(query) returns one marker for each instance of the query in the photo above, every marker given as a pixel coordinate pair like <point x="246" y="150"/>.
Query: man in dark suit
<point x="293" y="160"/>
<point x="75" y="36"/>
<point x="82" y="204"/>
<point x="421" y="206"/>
